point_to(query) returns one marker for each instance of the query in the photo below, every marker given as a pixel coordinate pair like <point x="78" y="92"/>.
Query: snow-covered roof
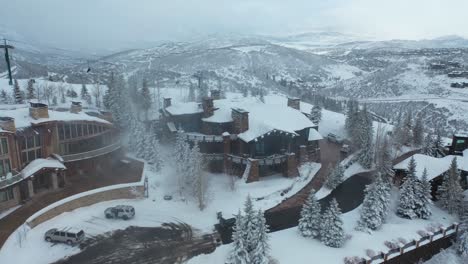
<point x="23" y="119"/>
<point x="435" y="166"/>
<point x="314" y="135"/>
<point x="184" y="108"/>
<point x="38" y="164"/>
<point x="263" y="118"/>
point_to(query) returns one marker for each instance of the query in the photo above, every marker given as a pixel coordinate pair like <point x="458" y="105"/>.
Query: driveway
<point x="169" y="244"/>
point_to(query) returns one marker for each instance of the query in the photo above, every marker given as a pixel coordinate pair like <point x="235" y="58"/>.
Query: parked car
<point x="124" y="212"/>
<point x="345" y="148"/>
<point x="69" y="236"/>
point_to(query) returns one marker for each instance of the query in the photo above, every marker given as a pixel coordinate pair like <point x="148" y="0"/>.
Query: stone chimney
<point x="241" y="120"/>
<point x="76" y="107"/>
<point x="8" y="124"/>
<point x="208" y="107"/>
<point x="38" y="110"/>
<point x="216" y="94"/>
<point x="167" y="102"/>
<point x="294" y="102"/>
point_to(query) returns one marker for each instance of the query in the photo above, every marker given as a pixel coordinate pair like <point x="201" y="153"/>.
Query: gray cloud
<point x="113" y="24"/>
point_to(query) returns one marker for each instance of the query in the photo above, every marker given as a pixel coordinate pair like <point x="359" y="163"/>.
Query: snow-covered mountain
<point x="381" y="73"/>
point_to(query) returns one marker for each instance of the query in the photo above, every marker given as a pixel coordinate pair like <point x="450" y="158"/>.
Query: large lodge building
<point x="37" y="144"/>
<point x="245" y="137"/>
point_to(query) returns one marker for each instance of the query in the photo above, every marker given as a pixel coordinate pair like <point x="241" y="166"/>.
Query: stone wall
<point x="128" y="192"/>
<point x="39" y="112"/>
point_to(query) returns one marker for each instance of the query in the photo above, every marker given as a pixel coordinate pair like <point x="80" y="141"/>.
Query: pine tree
<point x="462" y="245"/>
<point x="331" y="228"/>
<point x="316" y="114"/>
<point x="450" y="193"/>
<point x="375" y="206"/>
<point x="428" y="145"/>
<point x="17" y="93"/>
<point x="438" y="145"/>
<point x="31" y="91"/>
<point x="191" y="96"/>
<point x="309" y="223"/>
<point x="239" y="254"/>
<point x="259" y="254"/>
<point x="54" y="100"/>
<point x="335" y="177"/>
<point x="462" y="240"/>
<point x="4" y="97"/>
<point x="406" y="206"/>
<point x="250" y="225"/>
<point x="384" y="163"/>
<point x="364" y="134"/>
<point x="418" y="132"/>
<point x="146" y="98"/>
<point x="423" y="197"/>
<point x="84" y="92"/>
<point x="199" y="180"/>
<point x="153" y="152"/>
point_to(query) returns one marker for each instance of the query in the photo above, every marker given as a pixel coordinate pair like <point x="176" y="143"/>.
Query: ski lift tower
<point x="7" y="59"/>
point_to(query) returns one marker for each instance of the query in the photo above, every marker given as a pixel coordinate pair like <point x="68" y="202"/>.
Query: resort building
<point x="244" y="136"/>
<point x="37" y="144"/>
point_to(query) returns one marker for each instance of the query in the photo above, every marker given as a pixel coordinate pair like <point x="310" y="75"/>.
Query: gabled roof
<point x="38" y="164"/>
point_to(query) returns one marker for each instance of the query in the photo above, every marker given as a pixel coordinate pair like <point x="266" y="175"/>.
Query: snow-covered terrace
<point x="435" y="166"/>
<point x="31" y="169"/>
<point x="23" y="118"/>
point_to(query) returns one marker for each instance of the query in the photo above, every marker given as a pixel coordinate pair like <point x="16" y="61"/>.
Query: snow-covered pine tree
<point x="191" y="95"/>
<point x="375" y="206"/>
<point x="331" y="228"/>
<point x="384" y="162"/>
<point x="351" y="122"/>
<point x="316" y="114"/>
<point x="146" y="98"/>
<point x="406" y="205"/>
<point x="428" y="145"/>
<point x="250" y="225"/>
<point x="259" y="254"/>
<point x="335" y="177"/>
<point x="4" y="97"/>
<point x="54" y="100"/>
<point x="31" y="93"/>
<point x="418" y="131"/>
<point x="423" y="197"/>
<point x="17" y="93"/>
<point x="462" y="245"/>
<point x="153" y="149"/>
<point x="364" y="138"/>
<point x="198" y="177"/>
<point x="239" y="254"/>
<point x="84" y="94"/>
<point x="309" y="223"/>
<point x="450" y="193"/>
<point x="438" y="145"/>
<point x="181" y="156"/>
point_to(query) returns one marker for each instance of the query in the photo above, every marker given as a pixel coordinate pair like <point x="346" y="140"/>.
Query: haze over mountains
<point x="328" y="63"/>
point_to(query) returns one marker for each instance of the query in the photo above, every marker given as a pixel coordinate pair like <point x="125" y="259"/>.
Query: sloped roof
<point x="38" y="164"/>
<point x="435" y="166"/>
<point x="314" y="135"/>
<point x="184" y="108"/>
<point x="263" y="118"/>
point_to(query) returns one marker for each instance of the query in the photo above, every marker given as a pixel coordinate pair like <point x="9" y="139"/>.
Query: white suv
<point x="124" y="212"/>
<point x="69" y="236"/>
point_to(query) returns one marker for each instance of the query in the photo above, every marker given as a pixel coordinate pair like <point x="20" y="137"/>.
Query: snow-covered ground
<point x="288" y="246"/>
<point x="154" y="211"/>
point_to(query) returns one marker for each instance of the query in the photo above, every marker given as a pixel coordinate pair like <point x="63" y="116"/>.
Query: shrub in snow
<point x="370" y="253"/>
<point x="335" y="177"/>
<point x="353" y="260"/>
<point x="375" y="205"/>
<point x="450" y="193"/>
<point x="331" y="227"/>
<point x="406" y="205"/>
<point x="391" y="244"/>
<point x="309" y="222"/>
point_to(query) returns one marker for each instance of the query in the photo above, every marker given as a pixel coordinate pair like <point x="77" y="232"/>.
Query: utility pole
<point x="7" y="58"/>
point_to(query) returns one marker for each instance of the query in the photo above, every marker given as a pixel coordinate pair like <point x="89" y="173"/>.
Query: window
<point x="3" y="146"/>
<point x="6" y="195"/>
<point x="5" y="167"/>
<point x="31" y="148"/>
<point x="260" y="147"/>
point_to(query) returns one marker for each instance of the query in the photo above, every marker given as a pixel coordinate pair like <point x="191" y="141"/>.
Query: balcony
<point x="6" y="181"/>
<point x="92" y="153"/>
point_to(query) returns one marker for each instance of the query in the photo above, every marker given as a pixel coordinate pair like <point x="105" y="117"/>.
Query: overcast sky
<point x="113" y="24"/>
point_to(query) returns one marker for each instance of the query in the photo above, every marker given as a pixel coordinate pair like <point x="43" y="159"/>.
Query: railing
<point x="400" y="247"/>
<point x="270" y="160"/>
<point x="93" y="153"/>
<point x="206" y="138"/>
<point x="5" y="181"/>
<point x="212" y="157"/>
